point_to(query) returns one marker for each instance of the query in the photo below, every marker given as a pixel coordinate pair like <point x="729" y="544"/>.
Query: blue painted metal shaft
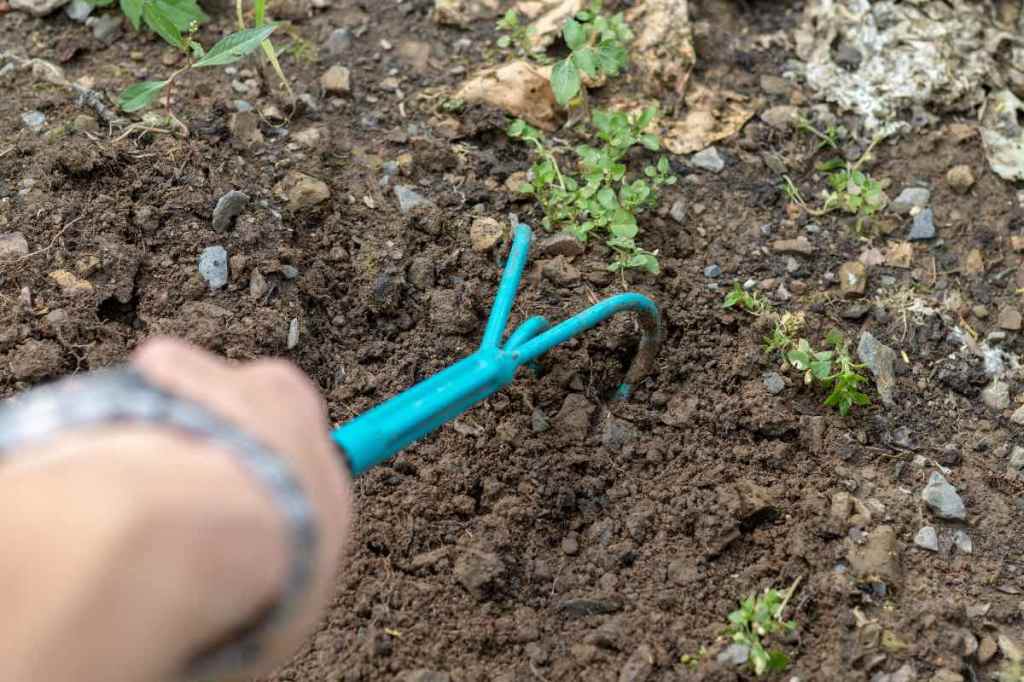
<point x="384" y="430"/>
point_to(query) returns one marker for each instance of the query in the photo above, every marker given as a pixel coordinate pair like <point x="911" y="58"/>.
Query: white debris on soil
<point x="1003" y="135"/>
<point x="879" y="58"/>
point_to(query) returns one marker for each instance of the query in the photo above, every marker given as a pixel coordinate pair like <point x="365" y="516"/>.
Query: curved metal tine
<point x="590" y="318"/>
<point x="526" y="331"/>
<point x="507" y="289"/>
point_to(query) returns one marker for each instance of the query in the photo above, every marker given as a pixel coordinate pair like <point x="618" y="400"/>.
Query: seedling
<point x="757" y="618"/>
<point x="783" y="334"/>
<point x="853" y="191"/>
<point x="169" y="19"/>
<point x="749" y="301"/>
<point x="519" y="37"/>
<point x="834" y="369"/>
<point x="598" y="49"/>
<point x="604" y="199"/>
<point x="829" y="138"/>
<point x="230" y="49"/>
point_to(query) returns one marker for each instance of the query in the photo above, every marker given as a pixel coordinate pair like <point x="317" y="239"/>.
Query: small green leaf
<point x="565" y="81"/>
<point x="646" y="117"/>
<point x="100" y="3"/>
<point x="606" y="197"/>
<point x="611" y="57"/>
<point x="235" y="46"/>
<point x="137" y="96"/>
<point x="183" y="13"/>
<point x="650" y="141"/>
<point x="504" y="41"/>
<point x="162" y="25"/>
<point x="586" y="60"/>
<point x="623" y="224"/>
<point x="574" y="34"/>
<point x="133" y="10"/>
<point x="663" y="165"/>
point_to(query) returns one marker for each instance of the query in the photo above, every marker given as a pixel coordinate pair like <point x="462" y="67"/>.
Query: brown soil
<point x="548" y="534"/>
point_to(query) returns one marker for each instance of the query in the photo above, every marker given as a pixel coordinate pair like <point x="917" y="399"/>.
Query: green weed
<point x="749" y="301"/>
<point x="833" y="369"/>
<point x="604" y="198"/>
<point x="519" y="37"/>
<point x="598" y="48"/>
<point x="758" y="617"/>
<point x="829" y="138"/>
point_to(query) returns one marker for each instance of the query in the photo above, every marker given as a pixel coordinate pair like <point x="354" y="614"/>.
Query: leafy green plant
<point x="169" y="19"/>
<point x="784" y="331"/>
<point x="833" y="369"/>
<point x="758" y="617"/>
<point x="519" y="36"/>
<point x="853" y="190"/>
<point x="597" y="45"/>
<point x="829" y="138"/>
<point x="604" y="199"/>
<point x="749" y="301"/>
<point x="230" y="49"/>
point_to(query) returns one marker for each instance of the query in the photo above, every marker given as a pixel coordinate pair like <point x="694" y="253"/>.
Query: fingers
<point x="276" y="403"/>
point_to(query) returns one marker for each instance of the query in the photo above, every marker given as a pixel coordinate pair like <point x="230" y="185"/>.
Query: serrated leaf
<point x="235" y="46"/>
<point x="565" y="81"/>
<point x="574" y="34"/>
<point x="137" y="96"/>
<point x="133" y="10"/>
<point x="162" y="25"/>
<point x="586" y="59"/>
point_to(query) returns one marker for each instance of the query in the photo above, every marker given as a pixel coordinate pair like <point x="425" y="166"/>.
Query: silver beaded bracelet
<point x="125" y="396"/>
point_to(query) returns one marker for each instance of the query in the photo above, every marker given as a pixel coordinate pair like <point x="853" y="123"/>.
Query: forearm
<point x="66" y="522"/>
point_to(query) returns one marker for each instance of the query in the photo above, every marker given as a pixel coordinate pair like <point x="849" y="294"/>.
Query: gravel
<point x="927" y="538"/>
<point x="773" y="382"/>
<point x="227" y="209"/>
<point x="923" y="227"/>
<point x="881" y="360"/>
<point x="909" y="199"/>
<point x="708" y="159"/>
<point x="213" y="266"/>
<point x="943" y="499"/>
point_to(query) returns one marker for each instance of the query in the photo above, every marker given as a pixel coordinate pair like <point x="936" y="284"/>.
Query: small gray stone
<point x="617" y="433"/>
<point x="910" y="198"/>
<point x="79" y="10"/>
<point x="963" y="542"/>
<point x="338" y="42"/>
<point x="780" y="117"/>
<point x="734" y="654"/>
<point x="923" y="227"/>
<point x="678" y="211"/>
<point x="712" y="271"/>
<point x="1017" y="458"/>
<point x="242" y="105"/>
<point x="227" y="209"/>
<point x="996" y="395"/>
<point x="213" y="266"/>
<point x="293" y="333"/>
<point x="289" y="271"/>
<point x="708" y="159"/>
<point x="257" y="285"/>
<point x="539" y="421"/>
<point x="13" y="245"/>
<point x="585" y="606"/>
<point x="881" y="360"/>
<point x="39" y="8"/>
<point x="409" y="199"/>
<point x="774" y="382"/>
<point x="927" y="538"/>
<point x="106" y="27"/>
<point x="943" y="499"/>
<point x="33" y="120"/>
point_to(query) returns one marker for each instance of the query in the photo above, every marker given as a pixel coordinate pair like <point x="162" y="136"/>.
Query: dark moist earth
<point x="548" y="534"/>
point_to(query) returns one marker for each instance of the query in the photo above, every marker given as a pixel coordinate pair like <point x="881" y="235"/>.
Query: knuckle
<point x="285" y="379"/>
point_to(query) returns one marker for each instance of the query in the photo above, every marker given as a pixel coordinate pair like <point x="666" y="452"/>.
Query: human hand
<point x="174" y="544"/>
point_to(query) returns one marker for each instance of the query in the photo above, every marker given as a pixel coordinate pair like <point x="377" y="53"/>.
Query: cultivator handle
<point x="380" y="433"/>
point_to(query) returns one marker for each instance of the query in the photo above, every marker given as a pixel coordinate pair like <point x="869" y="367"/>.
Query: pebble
<point x="909" y="199"/>
<point x="33" y="120"/>
<point x="561" y="244"/>
<point x="227" y="209"/>
<point x="878" y="556"/>
<point x="310" y="137"/>
<point x="943" y="500"/>
<point x="946" y="676"/>
<point x="712" y="271"/>
<point x="927" y="538"/>
<point x="13" y="245"/>
<point x="923" y="227"/>
<point x="853" y="278"/>
<point x="337" y="80"/>
<point x="708" y="159"/>
<point x="570" y="545"/>
<point x="106" y="27"/>
<point x="339" y="41"/>
<point x="773" y="382"/>
<point x="213" y="266"/>
<point x="678" y="211"/>
<point x="1009" y="319"/>
<point x="293" y="333"/>
<point x="78" y="10"/>
<point x="960" y="178"/>
<point x="245" y="128"/>
<point x="484" y="234"/>
<point x="963" y="542"/>
<point x="1018" y="416"/>
<point x="289" y="271"/>
<point x="560" y="271"/>
<point x="780" y="117"/>
<point x="881" y="360"/>
<point x="734" y="654"/>
<point x="1017" y="457"/>
<point x="303" y="191"/>
<point x="1011" y="649"/>
<point x="257" y="285"/>
<point x="987" y="649"/>
<point x="39" y="8"/>
<point x="996" y="395"/>
<point x="974" y="263"/>
<point x="590" y="606"/>
<point x="799" y="246"/>
<point x="409" y="199"/>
